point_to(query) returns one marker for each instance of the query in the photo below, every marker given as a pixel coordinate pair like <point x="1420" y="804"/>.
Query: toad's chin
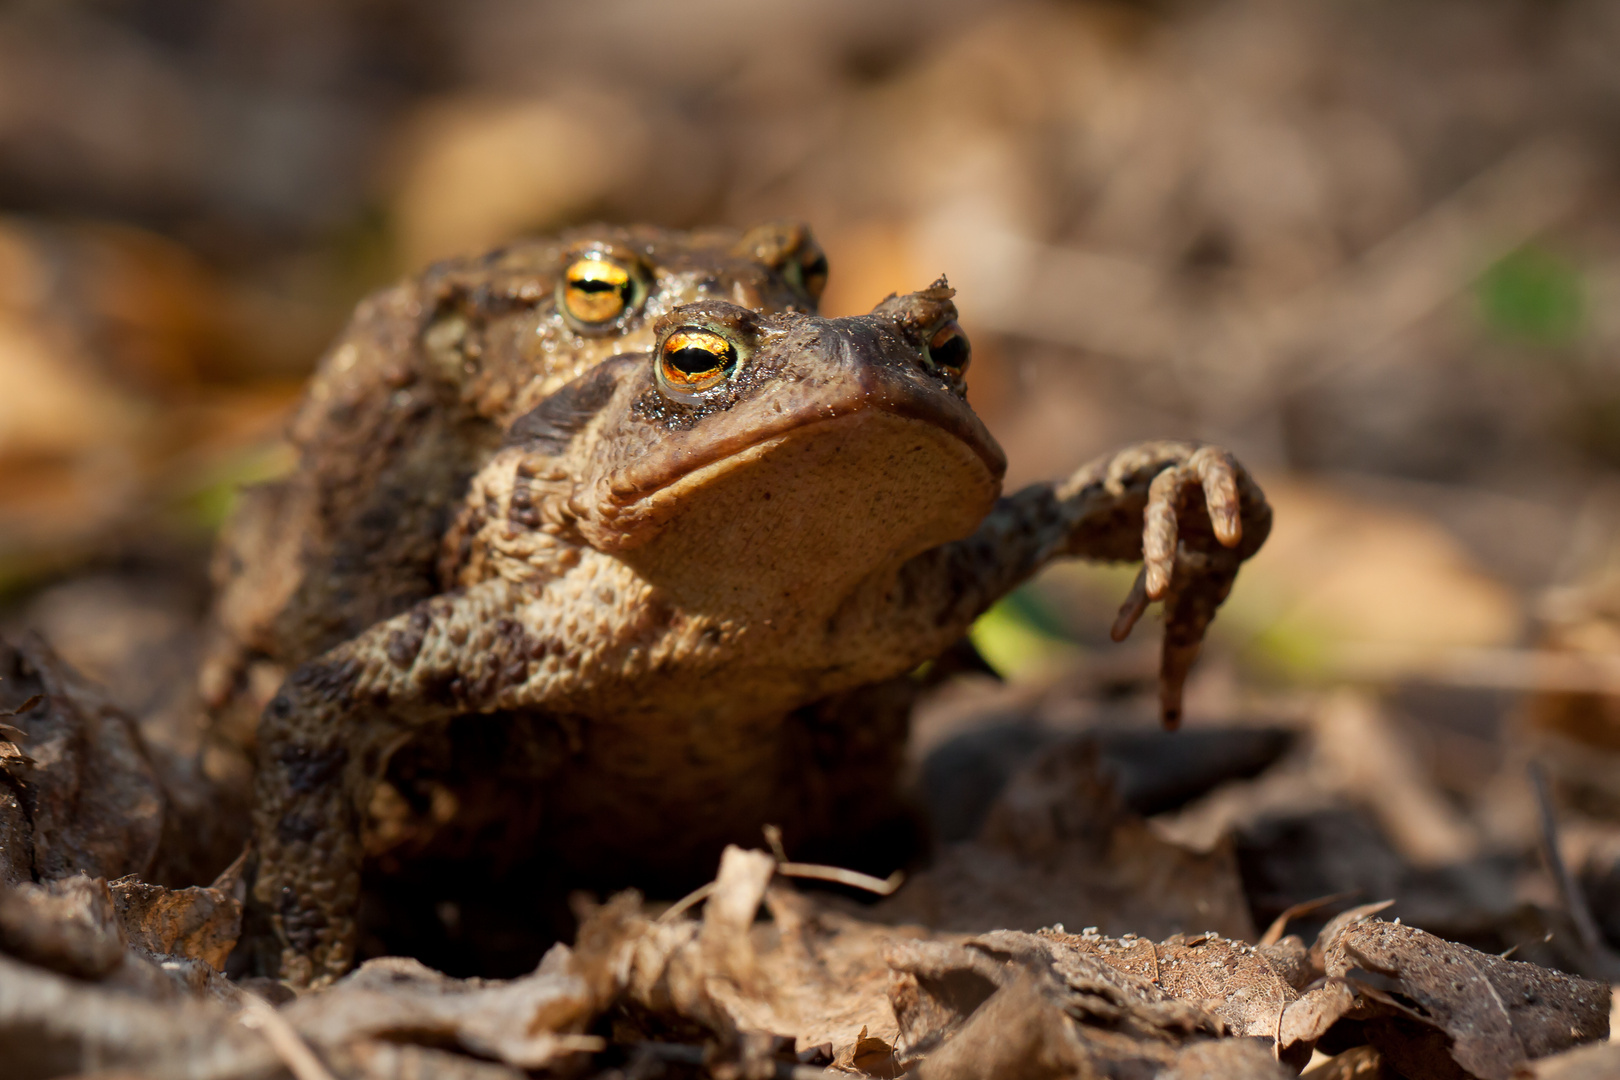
<point x="892" y="431"/>
<point x="792" y="519"/>
<point x="922" y="420"/>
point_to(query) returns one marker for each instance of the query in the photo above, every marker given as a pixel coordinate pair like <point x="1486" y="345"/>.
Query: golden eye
<point x="597" y="290"/>
<point x="692" y="360"/>
<point x="949" y="350"/>
<point x="809" y="265"/>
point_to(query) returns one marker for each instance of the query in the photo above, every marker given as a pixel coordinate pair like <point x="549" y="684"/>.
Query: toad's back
<point x="414" y="398"/>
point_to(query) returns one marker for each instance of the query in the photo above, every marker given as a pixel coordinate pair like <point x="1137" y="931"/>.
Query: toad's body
<point x="689" y="555"/>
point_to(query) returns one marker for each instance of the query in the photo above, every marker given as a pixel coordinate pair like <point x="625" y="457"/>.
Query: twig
<point x="24" y="707"/>
<point x="289" y="1046"/>
<point x="773" y="837"/>
<point x="852" y="878"/>
<point x="690" y="900"/>
<point x="1274" y="932"/>
<point x="1580" y="913"/>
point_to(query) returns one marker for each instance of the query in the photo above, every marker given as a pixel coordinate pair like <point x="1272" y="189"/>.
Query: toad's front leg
<point x="325" y="738"/>
<point x="1191" y="513"/>
<point x="1202" y="515"/>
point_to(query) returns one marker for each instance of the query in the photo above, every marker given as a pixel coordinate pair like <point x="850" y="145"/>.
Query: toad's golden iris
<point x="693" y="360"/>
<point x="597" y="290"/>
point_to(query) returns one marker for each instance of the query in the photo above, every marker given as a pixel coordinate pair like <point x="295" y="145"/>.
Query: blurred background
<point x="1372" y="247"/>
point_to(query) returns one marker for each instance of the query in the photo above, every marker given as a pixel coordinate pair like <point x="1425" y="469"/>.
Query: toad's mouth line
<point x="647" y="478"/>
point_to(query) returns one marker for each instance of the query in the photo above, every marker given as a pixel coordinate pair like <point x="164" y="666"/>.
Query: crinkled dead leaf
<point x="1600" y="1062"/>
<point x="811" y="974"/>
<point x="1010" y="1003"/>
<point x="1356" y="1063"/>
<point x="198" y="923"/>
<point x="1489" y="1014"/>
<point x="1021" y="1030"/>
<point x="69" y="925"/>
<point x="868" y="1055"/>
<point x="1233" y="980"/>
<point x="55" y="1025"/>
<point x="16" y="833"/>
<point x="1058" y="848"/>
<point x="92" y="795"/>
<point x="529" y="1023"/>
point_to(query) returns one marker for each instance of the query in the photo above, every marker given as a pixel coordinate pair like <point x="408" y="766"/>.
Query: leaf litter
<point x="967" y="971"/>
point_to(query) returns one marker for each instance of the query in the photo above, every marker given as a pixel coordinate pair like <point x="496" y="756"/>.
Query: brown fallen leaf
<point x="1227" y="1059"/>
<point x="872" y="1056"/>
<point x="1234" y="980"/>
<point x="16" y="831"/>
<point x="55" y="1025"/>
<point x="530" y="1023"/>
<point x="1019" y="1031"/>
<point x="69" y="925"/>
<point x="1356" y="1063"/>
<point x="812" y="974"/>
<point x="72" y="926"/>
<point x="198" y="923"/>
<point x="1431" y="997"/>
<point x="91" y="795"/>
<point x="1600" y="1062"/>
<point x="1010" y="1003"/>
<point x="1059" y="849"/>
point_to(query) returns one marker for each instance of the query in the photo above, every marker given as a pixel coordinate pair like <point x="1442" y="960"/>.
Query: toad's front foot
<point x="1204" y="516"/>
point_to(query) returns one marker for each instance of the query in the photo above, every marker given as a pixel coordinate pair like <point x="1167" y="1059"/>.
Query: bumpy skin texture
<point x="687" y="590"/>
<point x="409" y="404"/>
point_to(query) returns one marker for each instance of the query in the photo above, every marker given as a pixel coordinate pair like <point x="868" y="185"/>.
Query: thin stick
<point x="289" y="1046"/>
<point x="773" y="837"/>
<point x="852" y="878"/>
<point x="1279" y="925"/>
<point x="690" y="900"/>
<point x="1575" y="904"/>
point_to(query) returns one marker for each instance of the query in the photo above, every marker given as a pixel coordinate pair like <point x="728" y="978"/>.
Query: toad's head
<point x="761" y="458"/>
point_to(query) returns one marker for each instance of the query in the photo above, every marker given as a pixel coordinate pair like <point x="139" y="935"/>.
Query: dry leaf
<point x="69" y="925"/>
<point x="1057" y="848"/>
<point x="1020" y="1031"/>
<point x="1495" y="1013"/>
<point x="1600" y="1062"/>
<point x="530" y="1022"/>
<point x="196" y="923"/>
<point x="92" y="795"/>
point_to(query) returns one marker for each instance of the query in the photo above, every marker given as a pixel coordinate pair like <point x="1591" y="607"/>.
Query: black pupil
<point x="597" y="285"/>
<point x="695" y="361"/>
<point x="951" y="353"/>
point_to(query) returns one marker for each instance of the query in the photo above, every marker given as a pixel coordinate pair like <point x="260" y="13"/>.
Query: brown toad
<point x="417" y="394"/>
<point x="702" y="572"/>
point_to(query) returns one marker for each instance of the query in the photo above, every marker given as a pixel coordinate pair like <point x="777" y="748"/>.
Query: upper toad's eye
<point x="808" y="269"/>
<point x="949" y="350"/>
<point x="692" y="360"/>
<point x="596" y="290"/>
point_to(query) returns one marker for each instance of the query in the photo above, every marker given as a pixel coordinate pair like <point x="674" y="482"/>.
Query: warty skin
<point x="673" y="575"/>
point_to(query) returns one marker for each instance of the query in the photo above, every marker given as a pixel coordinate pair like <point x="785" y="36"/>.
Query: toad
<point x="696" y="562"/>
<point x="412" y="400"/>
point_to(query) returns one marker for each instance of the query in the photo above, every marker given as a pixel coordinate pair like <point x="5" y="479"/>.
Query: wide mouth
<point x="878" y="387"/>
